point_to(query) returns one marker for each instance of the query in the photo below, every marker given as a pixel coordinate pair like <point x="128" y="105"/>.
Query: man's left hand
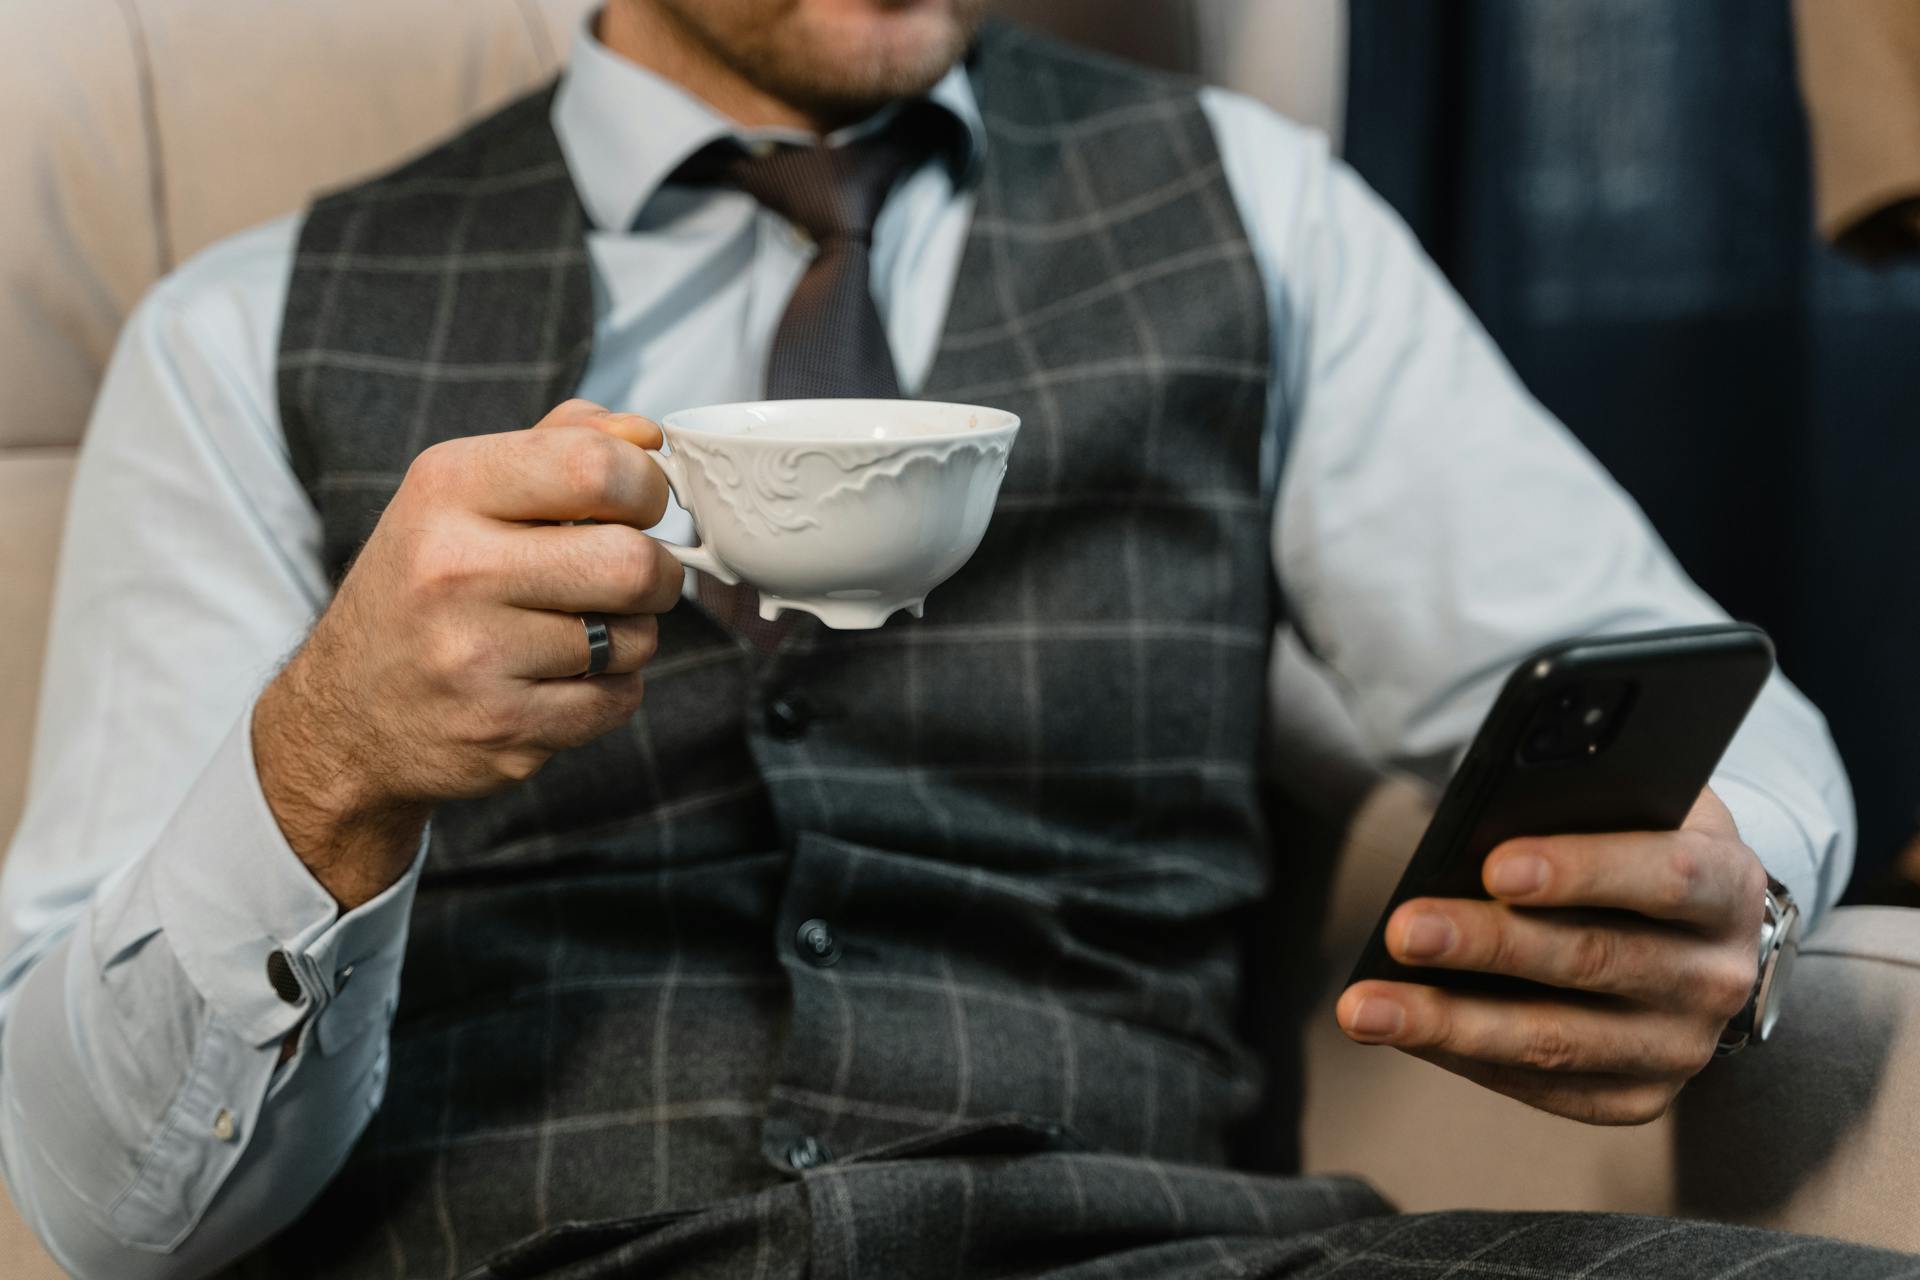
<point x="1650" y="938"/>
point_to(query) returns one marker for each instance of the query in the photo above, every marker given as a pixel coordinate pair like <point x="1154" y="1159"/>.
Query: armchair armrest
<point x="1819" y="1129"/>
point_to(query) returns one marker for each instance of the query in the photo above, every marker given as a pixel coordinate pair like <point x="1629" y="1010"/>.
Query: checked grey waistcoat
<point x="1028" y="824"/>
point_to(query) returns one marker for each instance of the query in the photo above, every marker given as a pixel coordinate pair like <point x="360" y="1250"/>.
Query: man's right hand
<point x="444" y="668"/>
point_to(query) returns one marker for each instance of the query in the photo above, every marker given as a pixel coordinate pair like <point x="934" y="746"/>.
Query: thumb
<point x="631" y="427"/>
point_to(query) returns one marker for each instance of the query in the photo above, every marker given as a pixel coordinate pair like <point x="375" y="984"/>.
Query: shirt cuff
<point x="230" y="893"/>
<point x="1769" y="828"/>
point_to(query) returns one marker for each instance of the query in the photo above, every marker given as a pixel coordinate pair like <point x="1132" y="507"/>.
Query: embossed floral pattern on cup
<point x="846" y="509"/>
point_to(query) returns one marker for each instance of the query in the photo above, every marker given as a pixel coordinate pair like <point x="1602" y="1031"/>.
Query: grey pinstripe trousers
<point x="1077" y="1216"/>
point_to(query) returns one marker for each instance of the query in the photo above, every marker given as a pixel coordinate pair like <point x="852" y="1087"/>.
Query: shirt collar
<point x="624" y="128"/>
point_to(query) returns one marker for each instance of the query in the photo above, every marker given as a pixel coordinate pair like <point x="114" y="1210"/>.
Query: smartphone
<point x="1613" y="733"/>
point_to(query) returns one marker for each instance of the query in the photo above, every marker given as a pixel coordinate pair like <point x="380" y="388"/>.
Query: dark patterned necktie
<point x="830" y="341"/>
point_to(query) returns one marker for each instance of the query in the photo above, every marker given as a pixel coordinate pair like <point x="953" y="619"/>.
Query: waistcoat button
<point x="787" y="716"/>
<point x="807" y="1153"/>
<point x="817" y="943"/>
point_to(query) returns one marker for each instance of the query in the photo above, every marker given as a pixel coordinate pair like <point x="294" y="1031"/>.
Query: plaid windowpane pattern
<point x="1030" y="820"/>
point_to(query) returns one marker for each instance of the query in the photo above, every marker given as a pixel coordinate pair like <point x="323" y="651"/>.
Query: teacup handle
<point x="695" y="557"/>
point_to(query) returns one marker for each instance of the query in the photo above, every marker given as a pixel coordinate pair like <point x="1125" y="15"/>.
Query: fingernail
<point x="1518" y="876"/>
<point x="1427" y="935"/>
<point x="1377" y="1017"/>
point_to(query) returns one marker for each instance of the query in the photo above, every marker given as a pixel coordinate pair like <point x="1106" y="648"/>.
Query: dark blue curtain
<point x="1621" y="191"/>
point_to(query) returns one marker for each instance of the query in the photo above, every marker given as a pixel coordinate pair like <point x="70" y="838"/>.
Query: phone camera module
<point x="1574" y="722"/>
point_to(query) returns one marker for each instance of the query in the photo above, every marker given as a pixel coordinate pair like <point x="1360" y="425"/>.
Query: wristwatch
<point x="1779" y="943"/>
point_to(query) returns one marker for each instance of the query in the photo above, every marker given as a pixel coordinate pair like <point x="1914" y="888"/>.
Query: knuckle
<point x="1751" y="886"/>
<point x="438" y="474"/>
<point x="639" y="563"/>
<point x="1429" y="1021"/>
<point x="442" y="567"/>
<point x="1548" y="1047"/>
<point x="670" y="575"/>
<point x="1685" y="870"/>
<point x="1681" y="1049"/>
<point x="1594" y="958"/>
<point x="454" y="654"/>
<point x="590" y="466"/>
<point x="626" y="699"/>
<point x="1728" y="982"/>
<point x="431" y="467"/>
<point x="609" y="551"/>
<point x="568" y="413"/>
<point x="1497" y="947"/>
<point x="491" y="730"/>
<point x="646" y="638"/>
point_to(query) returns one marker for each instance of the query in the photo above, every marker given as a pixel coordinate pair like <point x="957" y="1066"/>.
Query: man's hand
<point x="444" y="667"/>
<point x="1650" y="935"/>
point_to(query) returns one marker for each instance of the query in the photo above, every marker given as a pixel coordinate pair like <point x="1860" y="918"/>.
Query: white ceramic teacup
<point x="845" y="509"/>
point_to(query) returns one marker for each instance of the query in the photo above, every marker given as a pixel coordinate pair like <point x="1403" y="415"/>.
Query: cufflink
<point x="280" y="975"/>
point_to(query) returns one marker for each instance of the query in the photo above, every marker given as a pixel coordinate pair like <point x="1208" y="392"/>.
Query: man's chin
<point x="871" y="55"/>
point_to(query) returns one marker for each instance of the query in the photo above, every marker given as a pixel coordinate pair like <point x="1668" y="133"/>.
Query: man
<point x="791" y="952"/>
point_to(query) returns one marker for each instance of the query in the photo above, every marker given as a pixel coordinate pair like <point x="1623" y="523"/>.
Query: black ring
<point x="599" y="643"/>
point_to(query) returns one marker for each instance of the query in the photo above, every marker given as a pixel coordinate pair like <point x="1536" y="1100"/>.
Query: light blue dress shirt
<point x="1431" y="525"/>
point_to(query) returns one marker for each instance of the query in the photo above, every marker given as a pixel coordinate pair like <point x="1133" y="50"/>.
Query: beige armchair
<point x="137" y="132"/>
